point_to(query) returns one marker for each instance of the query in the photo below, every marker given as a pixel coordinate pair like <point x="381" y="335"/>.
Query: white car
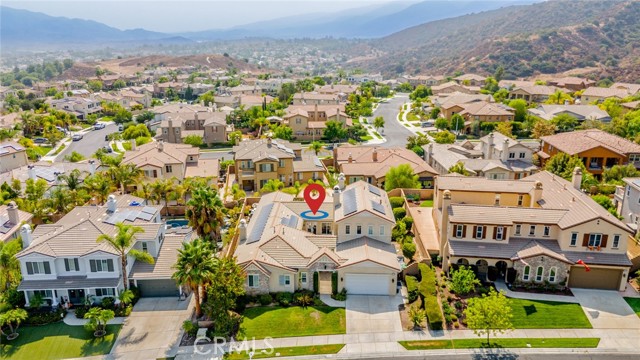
<point x="77" y="137"/>
<point x="99" y="126"/>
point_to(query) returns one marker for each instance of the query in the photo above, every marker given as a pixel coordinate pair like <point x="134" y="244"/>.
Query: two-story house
<point x="210" y="126"/>
<point x="580" y="112"/>
<point x="159" y="160"/>
<point x="532" y="93"/>
<point x="371" y="164"/>
<point x="494" y="157"/>
<point x="258" y="161"/>
<point x="537" y="230"/>
<point x="78" y="106"/>
<point x="309" y="121"/>
<point x="314" y="98"/>
<point x="627" y="202"/>
<point x="12" y="156"/>
<point x="64" y="262"/>
<point x="597" y="149"/>
<point x="281" y="250"/>
<point x="470" y="80"/>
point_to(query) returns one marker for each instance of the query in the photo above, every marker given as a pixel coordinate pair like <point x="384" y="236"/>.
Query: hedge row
<point x="427" y="290"/>
<point x="399" y="213"/>
<point x="412" y="288"/>
<point x="396" y="201"/>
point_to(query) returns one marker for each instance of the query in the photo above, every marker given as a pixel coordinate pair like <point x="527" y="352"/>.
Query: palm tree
<point x="122" y="243"/>
<point x="316" y="147"/>
<point x="260" y="122"/>
<point x="204" y="211"/>
<point x="98" y="319"/>
<point x="271" y="186"/>
<point x="126" y="297"/>
<point x="60" y="201"/>
<point x="162" y="189"/>
<point x="72" y="181"/>
<point x="29" y="123"/>
<point x="9" y="265"/>
<point x="11" y="317"/>
<point x="124" y="174"/>
<point x="194" y="267"/>
<point x="99" y="187"/>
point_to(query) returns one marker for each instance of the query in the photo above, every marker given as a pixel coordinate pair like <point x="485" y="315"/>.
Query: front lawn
<point x="502" y="343"/>
<point x="634" y="303"/>
<point x="426" y="203"/>
<point x="290" y="351"/>
<point x="529" y="314"/>
<point x="264" y="321"/>
<point x="57" y="341"/>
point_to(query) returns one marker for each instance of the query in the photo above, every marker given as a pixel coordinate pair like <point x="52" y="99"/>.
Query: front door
<point x="76" y="296"/>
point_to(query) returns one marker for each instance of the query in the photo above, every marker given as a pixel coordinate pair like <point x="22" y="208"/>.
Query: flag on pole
<point x="586" y="267"/>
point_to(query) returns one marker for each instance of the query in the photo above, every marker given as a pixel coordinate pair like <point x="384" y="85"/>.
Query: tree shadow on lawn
<point x="530" y="309"/>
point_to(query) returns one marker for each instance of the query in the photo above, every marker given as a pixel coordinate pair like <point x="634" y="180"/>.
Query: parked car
<point x="108" y="149"/>
<point x="99" y="126"/>
<point x="106" y="138"/>
<point x="120" y="127"/>
<point x="77" y="137"/>
<point x="40" y="140"/>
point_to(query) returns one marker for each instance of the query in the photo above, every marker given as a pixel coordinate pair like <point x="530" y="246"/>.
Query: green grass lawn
<point x="634" y="303"/>
<point x="290" y="351"/>
<point x="529" y="314"/>
<point x="412" y="117"/>
<point x="57" y="341"/>
<point x="260" y="322"/>
<point x="426" y="203"/>
<point x="33" y="152"/>
<point x="366" y="138"/>
<point x="502" y="343"/>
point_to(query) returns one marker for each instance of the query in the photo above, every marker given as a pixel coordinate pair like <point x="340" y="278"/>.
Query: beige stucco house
<point x="12" y="156"/>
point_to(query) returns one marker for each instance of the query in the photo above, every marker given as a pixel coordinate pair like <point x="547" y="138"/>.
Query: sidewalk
<point x="72" y="320"/>
<point x="330" y="302"/>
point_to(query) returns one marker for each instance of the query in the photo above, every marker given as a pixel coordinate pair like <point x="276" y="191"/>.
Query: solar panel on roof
<point x="110" y="220"/>
<point x="291" y="221"/>
<point x="145" y="216"/>
<point x="4" y="224"/>
<point x="259" y="222"/>
<point x="378" y="207"/>
<point x="148" y="210"/>
<point x="46" y="173"/>
<point x="132" y="215"/>
<point x="374" y="190"/>
<point x="317" y="162"/>
<point x="349" y="202"/>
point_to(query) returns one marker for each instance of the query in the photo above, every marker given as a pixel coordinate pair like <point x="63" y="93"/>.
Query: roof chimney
<point x="537" y="194"/>
<point x="160" y="146"/>
<point x="25" y="234"/>
<point x="350" y="158"/>
<point x="32" y="172"/>
<point x="429" y="153"/>
<point x="111" y="204"/>
<point x="12" y="211"/>
<point x="374" y="155"/>
<point x="444" y="223"/>
<point x="195" y="115"/>
<point x="490" y="146"/>
<point x="269" y="141"/>
<point x="576" y="178"/>
<point x="505" y="150"/>
<point x="341" y="180"/>
<point x="336" y="196"/>
<point x="242" y="230"/>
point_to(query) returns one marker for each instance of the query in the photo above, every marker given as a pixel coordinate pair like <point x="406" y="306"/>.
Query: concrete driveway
<point x="153" y="329"/>
<point x="606" y="309"/>
<point x="373" y="314"/>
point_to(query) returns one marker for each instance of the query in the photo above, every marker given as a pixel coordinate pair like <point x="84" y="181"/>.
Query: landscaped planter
<point x="99" y="333"/>
<point x="12" y="336"/>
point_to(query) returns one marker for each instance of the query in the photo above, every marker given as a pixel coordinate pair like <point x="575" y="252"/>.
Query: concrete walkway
<point x="501" y="286"/>
<point x="72" y="320"/>
<point x="330" y="302"/>
<point x="606" y="309"/>
<point x="630" y="292"/>
<point x="373" y="314"/>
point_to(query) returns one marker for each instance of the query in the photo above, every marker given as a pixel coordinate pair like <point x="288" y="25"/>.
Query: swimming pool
<point x="177" y="222"/>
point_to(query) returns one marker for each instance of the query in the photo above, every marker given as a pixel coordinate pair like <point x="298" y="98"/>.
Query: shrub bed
<point x="399" y="213"/>
<point x="46" y="316"/>
<point x="428" y="292"/>
<point x="396" y="201"/>
<point x="412" y="288"/>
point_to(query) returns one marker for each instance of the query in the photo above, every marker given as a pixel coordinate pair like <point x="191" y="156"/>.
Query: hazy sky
<point x="176" y="16"/>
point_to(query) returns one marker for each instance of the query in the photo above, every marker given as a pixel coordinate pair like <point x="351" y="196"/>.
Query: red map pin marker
<point x="314" y="195"/>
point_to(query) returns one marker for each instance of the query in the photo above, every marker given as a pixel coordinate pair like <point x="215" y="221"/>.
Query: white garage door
<point x="367" y="284"/>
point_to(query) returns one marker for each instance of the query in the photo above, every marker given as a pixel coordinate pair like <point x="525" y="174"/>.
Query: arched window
<point x="526" y="273"/>
<point x="552" y="275"/>
<point x="539" y="273"/>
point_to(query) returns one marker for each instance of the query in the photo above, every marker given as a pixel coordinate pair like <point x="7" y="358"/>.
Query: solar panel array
<point x="283" y="148"/>
<point x="48" y="173"/>
<point x="129" y="215"/>
<point x="4" y="224"/>
<point x="378" y="207"/>
<point x="291" y="221"/>
<point x="349" y="201"/>
<point x="317" y="162"/>
<point x="259" y="222"/>
<point x="374" y="190"/>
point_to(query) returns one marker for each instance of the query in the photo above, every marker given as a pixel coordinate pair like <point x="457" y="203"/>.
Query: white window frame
<point x="358" y="229"/>
<point x="512" y="155"/>
<point x="144" y="246"/>
<point x="38" y="268"/>
<point x="499" y="232"/>
<point x="520" y="200"/>
<point x="381" y="229"/>
<point x="459" y="231"/>
<point x="574" y="239"/>
<point x="616" y="241"/>
<point x="532" y="230"/>
<point x="518" y="229"/>
<point x="522" y="155"/>
<point x="370" y="230"/>
<point x="72" y="264"/>
<point x="479" y="230"/>
<point x="347" y="229"/>
<point x="303" y="277"/>
<point x="595" y="240"/>
<point x="526" y="273"/>
<point x="497" y="200"/>
<point x="102" y="266"/>
<point x="553" y="278"/>
<point x="284" y="280"/>
<point x="255" y="278"/>
<point x="546" y="231"/>
<point x="539" y="274"/>
<point x="105" y="292"/>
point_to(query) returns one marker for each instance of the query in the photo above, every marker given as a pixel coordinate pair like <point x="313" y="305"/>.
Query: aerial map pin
<point x="314" y="195"/>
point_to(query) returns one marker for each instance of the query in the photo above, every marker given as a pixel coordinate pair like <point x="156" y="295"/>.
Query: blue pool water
<point x="177" y="222"/>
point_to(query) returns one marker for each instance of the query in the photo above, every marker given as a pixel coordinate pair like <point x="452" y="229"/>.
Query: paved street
<point x="395" y="133"/>
<point x="92" y="141"/>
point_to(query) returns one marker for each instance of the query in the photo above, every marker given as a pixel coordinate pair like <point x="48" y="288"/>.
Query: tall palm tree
<point x="9" y="265"/>
<point x="194" y="267"/>
<point x="272" y="185"/>
<point x="260" y="122"/>
<point x="122" y="243"/>
<point x="316" y="147"/>
<point x="204" y="211"/>
<point x="145" y="191"/>
<point x="73" y="180"/>
<point x="99" y="187"/>
<point x="60" y="200"/>
<point x="124" y="174"/>
<point x="29" y="123"/>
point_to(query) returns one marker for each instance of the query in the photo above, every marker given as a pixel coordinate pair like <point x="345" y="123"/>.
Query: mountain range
<point x="26" y="28"/>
